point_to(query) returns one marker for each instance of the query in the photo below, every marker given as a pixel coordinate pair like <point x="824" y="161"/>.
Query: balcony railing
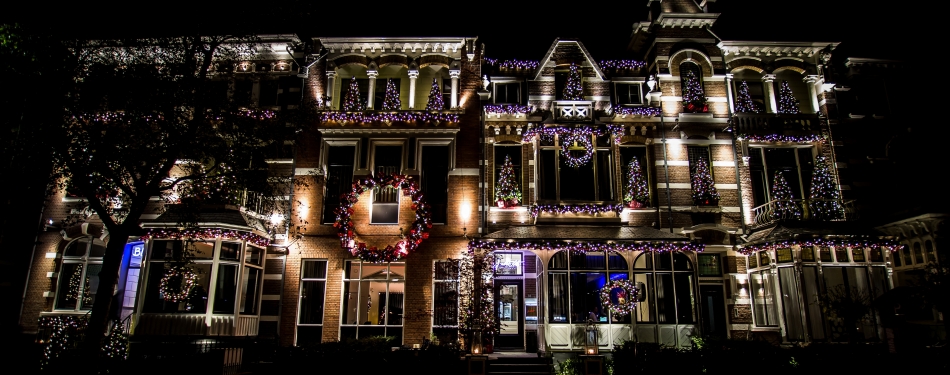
<point x="573" y="111"/>
<point x="777" y="124"/>
<point x="449" y="116"/>
<point x="803" y="209"/>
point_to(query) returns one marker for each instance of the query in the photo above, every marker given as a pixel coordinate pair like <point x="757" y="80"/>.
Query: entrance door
<point x="509" y="308"/>
<point x="713" y="310"/>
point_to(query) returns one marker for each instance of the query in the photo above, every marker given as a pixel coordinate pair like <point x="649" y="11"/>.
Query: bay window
<point x="574" y="283"/>
<point x="669" y="295"/>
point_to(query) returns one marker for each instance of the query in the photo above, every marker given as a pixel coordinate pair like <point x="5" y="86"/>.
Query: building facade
<point x="443" y="194"/>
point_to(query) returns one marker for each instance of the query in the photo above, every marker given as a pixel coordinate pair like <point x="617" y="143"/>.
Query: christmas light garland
<point x="622" y="64"/>
<point x="78" y="290"/>
<point x="590" y="209"/>
<point x="207" y="234"/>
<point x="585" y="247"/>
<point x="498" y="109"/>
<point x="626" y="297"/>
<point x="513" y="64"/>
<point x="60" y="339"/>
<point x="580" y="137"/>
<point x="636" y="111"/>
<point x="361" y="117"/>
<point x="177" y="283"/>
<point x="888" y="245"/>
<point x="779" y="138"/>
<point x="418" y="231"/>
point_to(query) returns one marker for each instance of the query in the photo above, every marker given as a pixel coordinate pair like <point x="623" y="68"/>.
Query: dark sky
<point x="512" y="30"/>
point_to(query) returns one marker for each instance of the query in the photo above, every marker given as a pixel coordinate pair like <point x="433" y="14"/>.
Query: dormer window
<point x="628" y="94"/>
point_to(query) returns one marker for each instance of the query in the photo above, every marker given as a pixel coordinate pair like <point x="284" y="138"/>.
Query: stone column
<point x="372" y="88"/>
<point x="455" y="88"/>
<point x="729" y="97"/>
<point x="810" y="82"/>
<point x="331" y="85"/>
<point x="413" y="75"/>
<point x="771" y="106"/>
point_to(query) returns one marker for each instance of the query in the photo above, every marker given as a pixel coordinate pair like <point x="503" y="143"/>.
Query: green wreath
<point x="619" y="296"/>
<point x="177" y="283"/>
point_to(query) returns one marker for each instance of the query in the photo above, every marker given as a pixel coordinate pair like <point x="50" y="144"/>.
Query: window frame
<point x="300" y="296"/>
<point x="653" y="272"/>
<point x="768" y="174"/>
<point x="507" y="82"/>
<point x="617" y="94"/>
<point x="325" y="168"/>
<point x="359" y="281"/>
<point x="84" y="261"/>
<point x="402" y="143"/>
<point x="594" y="163"/>
<point x="435" y="297"/>
<point x="570" y="271"/>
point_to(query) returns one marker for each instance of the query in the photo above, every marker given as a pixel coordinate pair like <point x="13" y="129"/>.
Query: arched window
<point x="690" y="70"/>
<point x="79" y="274"/>
<point x="574" y="284"/>
<point x="929" y="246"/>
<point x="669" y="293"/>
<point x="918" y="254"/>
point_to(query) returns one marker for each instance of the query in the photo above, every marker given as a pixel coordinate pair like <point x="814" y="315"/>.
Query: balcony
<point x="573" y="111"/>
<point x="409" y="117"/>
<point x="771" y="124"/>
<point x="803" y="210"/>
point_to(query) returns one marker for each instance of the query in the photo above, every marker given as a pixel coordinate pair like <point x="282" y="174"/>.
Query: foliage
<point x="845" y="308"/>
<point x="507" y="187"/>
<point x="574" y="89"/>
<point x="476" y="297"/>
<point x="636" y="188"/>
<point x="570" y="366"/>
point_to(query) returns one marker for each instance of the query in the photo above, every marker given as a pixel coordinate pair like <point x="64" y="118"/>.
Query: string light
<point x="435" y="103"/>
<point x="888" y="245"/>
<point x="636" y="111"/>
<point x="573" y="89"/>
<point x="418" y="231"/>
<point x="704" y="188"/>
<point x="360" y="117"/>
<point x="65" y="329"/>
<point x="507" y="109"/>
<point x="780" y="138"/>
<point x="622" y="64"/>
<point x="585" y="247"/>
<point x="694" y="99"/>
<point x="560" y="209"/>
<point x="513" y="64"/>
<point x="744" y="103"/>
<point x="177" y="283"/>
<point x="636" y="192"/>
<point x="206" y="233"/>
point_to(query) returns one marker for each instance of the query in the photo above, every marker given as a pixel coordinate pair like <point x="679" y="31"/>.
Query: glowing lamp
<point x="590" y="346"/>
<point x="477" y="342"/>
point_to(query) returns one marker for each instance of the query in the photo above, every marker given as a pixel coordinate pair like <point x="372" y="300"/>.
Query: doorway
<point x="713" y="310"/>
<point x="509" y="309"/>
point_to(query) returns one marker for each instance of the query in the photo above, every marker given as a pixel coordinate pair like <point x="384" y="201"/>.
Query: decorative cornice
<point x="778" y="49"/>
<point x="687" y="19"/>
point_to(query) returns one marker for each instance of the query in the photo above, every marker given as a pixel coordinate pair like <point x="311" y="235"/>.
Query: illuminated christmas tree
<point x="744" y="103"/>
<point x="435" y="97"/>
<point x="391" y="99"/>
<point x="574" y="89"/>
<point x="784" y="206"/>
<point x="825" y="201"/>
<point x="506" y="190"/>
<point x="636" y="192"/>
<point x="704" y="188"/>
<point x="694" y="99"/>
<point x="786" y="100"/>
<point x="352" y="101"/>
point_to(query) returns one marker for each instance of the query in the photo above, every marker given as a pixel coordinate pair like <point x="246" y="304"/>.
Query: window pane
<point x="588" y="261"/>
<point x="665" y="298"/>
<point x="813" y="310"/>
<point x="685" y="297"/>
<point x="929" y="245"/>
<point x="841" y="254"/>
<point x="615" y="261"/>
<point x="166" y="249"/>
<point x="558" y="261"/>
<point x="644" y="261"/>
<point x="576" y="183"/>
<point x="645" y="309"/>
<point x="230" y="250"/>
<point x="339" y="178"/>
<point x="435" y="181"/>
<point x="808" y="253"/>
<point x="763" y="299"/>
<point x="547" y="173"/>
<point x="918" y="254"/>
<point x="199" y="250"/>
<point x="857" y="254"/>
<point x="585" y="297"/>
<point x="311" y="301"/>
<point x="664" y="261"/>
<point x="605" y="178"/>
<point x="508" y="264"/>
<point x="783" y="255"/>
<point x="791" y="304"/>
<point x="197" y="301"/>
<point x="71" y="288"/>
<point x="824" y="253"/>
<point x="681" y="262"/>
<point x="558" y="297"/>
<point x="753" y="261"/>
<point x="394" y="307"/>
<point x="91" y="285"/>
<point x="513" y="154"/>
<point x="445" y="303"/>
<point x="314" y="269"/>
<point x="351" y="302"/>
<point x="98" y="249"/>
<point x="252" y="281"/>
<point x="225" y="289"/>
<point x="709" y="265"/>
<point x="254" y="255"/>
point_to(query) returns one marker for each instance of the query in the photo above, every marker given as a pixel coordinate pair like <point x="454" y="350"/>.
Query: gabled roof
<point x="551" y="55"/>
<point x="554" y="232"/>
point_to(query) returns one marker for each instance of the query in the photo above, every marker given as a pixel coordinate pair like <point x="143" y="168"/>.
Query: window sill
<point x="512" y="209"/>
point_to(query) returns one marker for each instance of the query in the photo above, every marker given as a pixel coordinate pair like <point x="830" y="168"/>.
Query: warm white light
<point x="465" y="212"/>
<point x="275" y="218"/>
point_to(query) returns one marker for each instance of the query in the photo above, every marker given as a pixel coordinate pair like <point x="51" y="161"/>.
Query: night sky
<point x="522" y="31"/>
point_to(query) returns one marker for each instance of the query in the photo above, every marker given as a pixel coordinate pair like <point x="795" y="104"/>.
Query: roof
<point x="577" y="49"/>
<point x="803" y="230"/>
<point x="552" y="232"/>
<point x="217" y="216"/>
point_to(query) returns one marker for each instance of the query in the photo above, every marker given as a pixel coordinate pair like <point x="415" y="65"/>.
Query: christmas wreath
<point x="619" y="296"/>
<point x="177" y="283"/>
<point x="418" y="231"/>
<point x="582" y="138"/>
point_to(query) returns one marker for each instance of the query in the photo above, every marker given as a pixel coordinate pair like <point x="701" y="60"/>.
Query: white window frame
<point x="84" y="261"/>
<point x="300" y="293"/>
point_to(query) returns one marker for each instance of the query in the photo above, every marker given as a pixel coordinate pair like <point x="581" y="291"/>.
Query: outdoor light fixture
<point x="477" y="342"/>
<point x="590" y="346"/>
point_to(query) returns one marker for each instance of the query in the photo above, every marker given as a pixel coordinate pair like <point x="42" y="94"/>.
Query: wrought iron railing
<point x="803" y="209"/>
<point x="771" y="123"/>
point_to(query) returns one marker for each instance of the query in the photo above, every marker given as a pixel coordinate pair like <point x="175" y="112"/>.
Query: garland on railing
<point x="782" y="138"/>
<point x="889" y="245"/>
<point x="625" y="295"/>
<point x="512" y="64"/>
<point x="418" y="231"/>
<point x="590" y="209"/>
<point x="636" y="111"/>
<point x="622" y="64"/>
<point x="495" y="109"/>
<point x="208" y="233"/>
<point x="361" y="117"/>
<point x="585" y="247"/>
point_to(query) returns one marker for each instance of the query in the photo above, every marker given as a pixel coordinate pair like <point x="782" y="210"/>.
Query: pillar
<point x="810" y="82"/>
<point x="455" y="88"/>
<point x="768" y="80"/>
<point x="413" y="75"/>
<point x="372" y="88"/>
